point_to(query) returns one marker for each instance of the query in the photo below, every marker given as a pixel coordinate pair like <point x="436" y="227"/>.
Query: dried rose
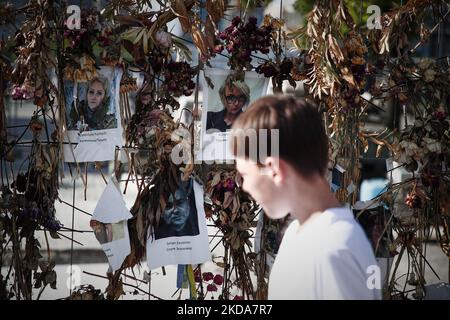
<point x="218" y="48"/>
<point x="16" y="92"/>
<point x="413" y="201"/>
<point x="229" y="184"/>
<point x="207" y="276"/>
<point x="440" y="114"/>
<point x="211" y="287"/>
<point x="218" y="279"/>
<point x="36" y="126"/>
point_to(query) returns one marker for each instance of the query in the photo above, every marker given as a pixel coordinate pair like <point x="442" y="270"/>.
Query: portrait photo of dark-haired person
<point x="180" y="215"/>
<point x="234" y="96"/>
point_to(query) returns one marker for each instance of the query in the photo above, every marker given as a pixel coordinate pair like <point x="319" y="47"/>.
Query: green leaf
<point x="96" y="49"/>
<point x="125" y="54"/>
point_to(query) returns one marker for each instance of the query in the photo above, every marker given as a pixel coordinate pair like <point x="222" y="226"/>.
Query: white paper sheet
<point x="111" y="207"/>
<point x="109" y="222"/>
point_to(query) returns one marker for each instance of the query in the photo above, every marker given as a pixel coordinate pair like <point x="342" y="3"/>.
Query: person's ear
<point x="273" y="170"/>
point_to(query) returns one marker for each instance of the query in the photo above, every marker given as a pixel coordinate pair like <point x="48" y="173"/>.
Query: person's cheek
<point x="247" y="186"/>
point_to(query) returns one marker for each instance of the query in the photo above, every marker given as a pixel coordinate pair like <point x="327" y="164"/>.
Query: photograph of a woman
<point x="92" y="112"/>
<point x="234" y="95"/>
<point x="226" y="95"/>
<point x="93" y="126"/>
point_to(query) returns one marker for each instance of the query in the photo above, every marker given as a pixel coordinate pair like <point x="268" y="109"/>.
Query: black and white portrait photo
<point x="180" y="215"/>
<point x="181" y="236"/>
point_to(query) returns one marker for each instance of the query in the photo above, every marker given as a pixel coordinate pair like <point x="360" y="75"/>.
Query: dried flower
<point x="178" y="79"/>
<point x="440" y="114"/>
<point x="36" y="126"/>
<point x="425" y="63"/>
<point x="429" y="75"/>
<point x="211" y="287"/>
<point x="218" y="279"/>
<point x="241" y="39"/>
<point x="207" y="276"/>
<point x="229" y="185"/>
<point x="413" y="201"/>
<point x="432" y="145"/>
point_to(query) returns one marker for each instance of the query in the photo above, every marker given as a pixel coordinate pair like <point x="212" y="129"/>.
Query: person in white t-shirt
<point x="324" y="253"/>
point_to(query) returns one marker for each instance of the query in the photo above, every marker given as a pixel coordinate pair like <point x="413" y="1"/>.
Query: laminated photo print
<point x="181" y="236"/>
<point x="93" y="117"/>
<point x="230" y="96"/>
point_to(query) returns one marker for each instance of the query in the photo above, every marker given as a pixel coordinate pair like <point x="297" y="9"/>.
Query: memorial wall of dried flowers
<point x="336" y="58"/>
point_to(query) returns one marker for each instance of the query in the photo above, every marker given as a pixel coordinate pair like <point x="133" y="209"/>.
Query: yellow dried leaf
<point x="216" y="9"/>
<point x="378" y="152"/>
<point x="200" y="42"/>
<point x="349" y="78"/>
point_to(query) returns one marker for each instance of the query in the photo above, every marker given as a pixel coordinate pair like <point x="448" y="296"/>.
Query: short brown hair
<point x="303" y="142"/>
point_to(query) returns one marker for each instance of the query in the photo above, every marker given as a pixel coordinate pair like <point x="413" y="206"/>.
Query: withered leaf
<point x="200" y="42"/>
<point x="228" y="199"/>
<point x="179" y="9"/>
<point x="216" y="9"/>
<point x="334" y="50"/>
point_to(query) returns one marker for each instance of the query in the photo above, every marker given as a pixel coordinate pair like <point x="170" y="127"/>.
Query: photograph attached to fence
<point x="230" y="95"/>
<point x="93" y="117"/>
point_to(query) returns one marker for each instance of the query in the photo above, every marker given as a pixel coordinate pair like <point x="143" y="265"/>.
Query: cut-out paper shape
<point x="110" y="225"/>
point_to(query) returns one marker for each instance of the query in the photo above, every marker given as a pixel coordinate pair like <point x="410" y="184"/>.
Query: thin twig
<point x="124" y="283"/>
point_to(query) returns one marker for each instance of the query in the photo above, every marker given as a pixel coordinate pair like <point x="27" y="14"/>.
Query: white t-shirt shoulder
<point x="327" y="258"/>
